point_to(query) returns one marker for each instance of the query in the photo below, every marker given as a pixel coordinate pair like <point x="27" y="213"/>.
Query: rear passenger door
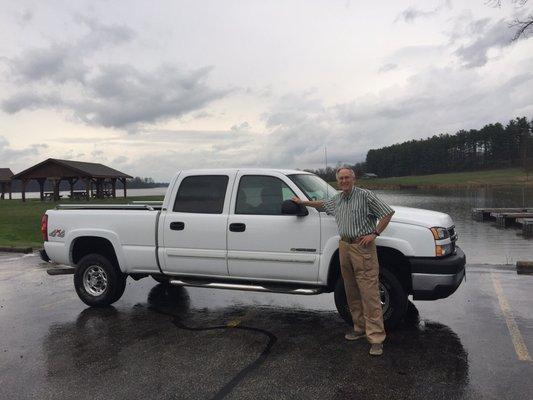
<point x="263" y="243"/>
<point x="194" y="232"/>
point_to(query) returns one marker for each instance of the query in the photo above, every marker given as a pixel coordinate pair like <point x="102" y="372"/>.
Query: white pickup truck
<point x="238" y="229"/>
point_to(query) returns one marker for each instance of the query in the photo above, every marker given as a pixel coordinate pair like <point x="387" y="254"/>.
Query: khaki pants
<point x="360" y="271"/>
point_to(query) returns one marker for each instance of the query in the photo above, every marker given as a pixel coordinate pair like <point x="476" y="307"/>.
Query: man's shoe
<point x="376" y="349"/>
<point x="354" y="335"/>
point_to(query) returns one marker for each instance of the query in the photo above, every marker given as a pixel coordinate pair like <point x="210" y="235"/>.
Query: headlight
<point x="440" y="233"/>
<point x="443" y="249"/>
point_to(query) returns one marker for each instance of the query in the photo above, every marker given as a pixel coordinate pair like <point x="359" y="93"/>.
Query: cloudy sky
<point x="152" y="87"/>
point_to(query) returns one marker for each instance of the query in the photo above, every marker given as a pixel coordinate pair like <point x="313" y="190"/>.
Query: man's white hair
<point x="352" y="172"/>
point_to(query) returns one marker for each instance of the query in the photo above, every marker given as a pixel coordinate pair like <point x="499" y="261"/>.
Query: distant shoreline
<point x="510" y="177"/>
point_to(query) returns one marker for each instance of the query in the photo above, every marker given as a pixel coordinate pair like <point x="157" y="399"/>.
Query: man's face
<point x="345" y="180"/>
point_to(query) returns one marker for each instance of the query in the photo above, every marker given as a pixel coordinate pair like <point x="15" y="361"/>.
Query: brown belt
<point x="352" y="240"/>
<point x="349" y="240"/>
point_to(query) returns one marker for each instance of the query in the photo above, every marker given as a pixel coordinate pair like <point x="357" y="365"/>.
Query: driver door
<point x="263" y="243"/>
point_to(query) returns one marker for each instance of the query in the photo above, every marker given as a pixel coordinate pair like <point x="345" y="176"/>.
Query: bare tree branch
<point x="523" y="27"/>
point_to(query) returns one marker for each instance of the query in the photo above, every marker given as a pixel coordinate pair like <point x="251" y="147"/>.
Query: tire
<point x="97" y="281"/>
<point x="160" y="278"/>
<point x="120" y="289"/>
<point x="393" y="299"/>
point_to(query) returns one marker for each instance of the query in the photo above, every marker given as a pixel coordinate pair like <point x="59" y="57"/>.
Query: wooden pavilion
<point x="5" y="182"/>
<point x="56" y="171"/>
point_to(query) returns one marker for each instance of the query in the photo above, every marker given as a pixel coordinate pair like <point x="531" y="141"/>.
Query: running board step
<point x="250" y="288"/>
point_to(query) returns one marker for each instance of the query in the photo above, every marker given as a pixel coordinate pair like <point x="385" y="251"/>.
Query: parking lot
<point x="161" y="342"/>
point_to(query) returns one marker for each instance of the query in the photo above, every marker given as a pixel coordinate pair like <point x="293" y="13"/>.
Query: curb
<point x="524" y="267"/>
<point x="25" y="250"/>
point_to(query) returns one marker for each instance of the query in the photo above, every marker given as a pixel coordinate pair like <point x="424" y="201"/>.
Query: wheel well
<point x="334" y="271"/>
<point x="92" y="244"/>
<point x="396" y="263"/>
<point x="391" y="259"/>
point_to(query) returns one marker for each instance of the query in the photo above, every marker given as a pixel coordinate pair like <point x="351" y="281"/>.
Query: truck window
<point x="261" y="195"/>
<point x="203" y="194"/>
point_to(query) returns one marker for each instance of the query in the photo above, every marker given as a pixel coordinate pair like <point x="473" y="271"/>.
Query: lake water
<point x="159" y="191"/>
<point x="483" y="242"/>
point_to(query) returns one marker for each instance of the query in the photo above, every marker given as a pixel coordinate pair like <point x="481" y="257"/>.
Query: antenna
<point x="326" y="170"/>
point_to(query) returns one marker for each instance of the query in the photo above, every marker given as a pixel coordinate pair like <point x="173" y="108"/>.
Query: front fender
<point x="332" y="245"/>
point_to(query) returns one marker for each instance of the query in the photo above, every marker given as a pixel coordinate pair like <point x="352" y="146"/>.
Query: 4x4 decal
<point x="58" y="232"/>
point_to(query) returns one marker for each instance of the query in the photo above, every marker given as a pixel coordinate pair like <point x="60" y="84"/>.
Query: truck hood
<point x="421" y="217"/>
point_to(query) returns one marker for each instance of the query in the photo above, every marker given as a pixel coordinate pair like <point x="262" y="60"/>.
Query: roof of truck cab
<point x="247" y="170"/>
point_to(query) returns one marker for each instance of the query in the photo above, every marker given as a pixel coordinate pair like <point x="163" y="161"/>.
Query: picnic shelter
<point x="99" y="176"/>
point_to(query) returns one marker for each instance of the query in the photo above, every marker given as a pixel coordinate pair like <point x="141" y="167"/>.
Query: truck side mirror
<point x="289" y="207"/>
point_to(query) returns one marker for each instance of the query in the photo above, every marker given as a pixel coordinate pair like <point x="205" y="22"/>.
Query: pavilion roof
<point x="68" y="168"/>
<point x="5" y="175"/>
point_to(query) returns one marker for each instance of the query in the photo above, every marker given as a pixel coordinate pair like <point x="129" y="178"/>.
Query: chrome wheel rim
<point x="95" y="280"/>
<point x="385" y="298"/>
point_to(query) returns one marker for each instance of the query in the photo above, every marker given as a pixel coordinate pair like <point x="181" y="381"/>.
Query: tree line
<point x="491" y="147"/>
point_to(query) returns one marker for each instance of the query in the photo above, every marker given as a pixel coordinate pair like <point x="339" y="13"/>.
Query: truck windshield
<point x="314" y="187"/>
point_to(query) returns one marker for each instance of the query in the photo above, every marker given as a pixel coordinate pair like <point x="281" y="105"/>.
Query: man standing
<point x="357" y="212"/>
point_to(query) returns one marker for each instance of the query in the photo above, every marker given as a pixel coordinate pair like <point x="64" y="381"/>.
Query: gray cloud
<point x="25" y="17"/>
<point x="110" y="95"/>
<point x="388" y="67"/>
<point x="18" y="159"/>
<point x="57" y="63"/>
<point x="61" y="62"/>
<point x="120" y="160"/>
<point x="410" y="14"/>
<point x="124" y="97"/>
<point x="244" y="126"/>
<point x="102" y="35"/>
<point x="487" y="36"/>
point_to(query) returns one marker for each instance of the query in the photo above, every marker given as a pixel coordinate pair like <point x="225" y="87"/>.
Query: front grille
<point x="453" y="237"/>
<point x="451" y="232"/>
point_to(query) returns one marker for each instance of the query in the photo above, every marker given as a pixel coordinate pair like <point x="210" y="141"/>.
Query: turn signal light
<point x="443" y="250"/>
<point x="44" y="227"/>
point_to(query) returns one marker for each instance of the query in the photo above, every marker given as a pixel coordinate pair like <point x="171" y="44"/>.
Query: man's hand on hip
<point x="366" y="240"/>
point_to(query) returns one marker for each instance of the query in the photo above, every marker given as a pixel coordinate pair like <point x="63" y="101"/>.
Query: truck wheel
<point x="97" y="282"/>
<point x="121" y="288"/>
<point x="393" y="299"/>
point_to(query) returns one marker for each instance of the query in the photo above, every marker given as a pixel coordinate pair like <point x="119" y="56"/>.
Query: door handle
<point x="237" y="227"/>
<point x="177" y="226"/>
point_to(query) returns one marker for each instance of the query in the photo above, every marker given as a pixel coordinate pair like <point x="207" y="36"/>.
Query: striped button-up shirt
<point x="356" y="213"/>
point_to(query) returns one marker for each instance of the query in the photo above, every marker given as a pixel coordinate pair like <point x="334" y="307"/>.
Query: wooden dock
<point x="506" y="217"/>
<point x="527" y="226"/>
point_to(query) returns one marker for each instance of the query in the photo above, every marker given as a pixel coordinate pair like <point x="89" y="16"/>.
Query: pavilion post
<point x="99" y="188"/>
<point x="56" y="182"/>
<point x="71" y="182"/>
<point x="24" y="183"/>
<point x="88" y="188"/>
<point x="3" y="190"/>
<point x="41" y="187"/>
<point x="10" y="190"/>
<point x="114" y="187"/>
<point x="124" y="182"/>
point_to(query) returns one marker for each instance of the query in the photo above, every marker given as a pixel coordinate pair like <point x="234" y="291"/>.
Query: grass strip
<point x="20" y="222"/>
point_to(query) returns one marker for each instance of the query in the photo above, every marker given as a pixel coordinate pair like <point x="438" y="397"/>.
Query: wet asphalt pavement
<point x="164" y="343"/>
